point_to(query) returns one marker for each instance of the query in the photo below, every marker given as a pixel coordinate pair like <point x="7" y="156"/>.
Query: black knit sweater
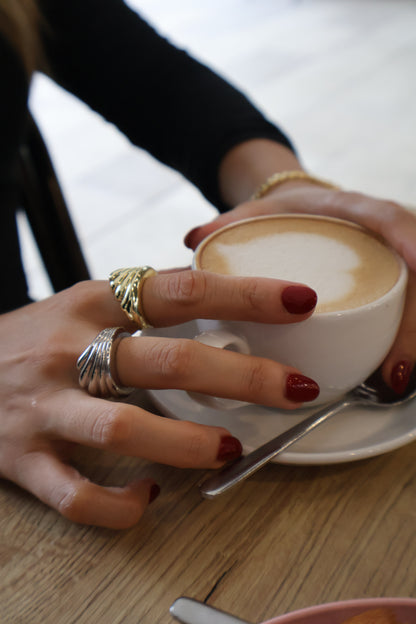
<point x="161" y="98"/>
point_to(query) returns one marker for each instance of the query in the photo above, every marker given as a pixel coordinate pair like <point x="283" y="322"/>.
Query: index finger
<point x="170" y="299"/>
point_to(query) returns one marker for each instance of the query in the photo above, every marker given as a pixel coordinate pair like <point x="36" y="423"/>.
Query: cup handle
<point x="220" y="339"/>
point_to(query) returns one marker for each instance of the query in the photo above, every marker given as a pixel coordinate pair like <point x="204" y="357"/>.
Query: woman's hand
<point x="44" y="412"/>
<point x="387" y="218"/>
<point x="393" y="222"/>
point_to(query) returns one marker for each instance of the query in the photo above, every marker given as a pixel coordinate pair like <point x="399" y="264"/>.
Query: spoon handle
<point x="190" y="611"/>
<point x="244" y="467"/>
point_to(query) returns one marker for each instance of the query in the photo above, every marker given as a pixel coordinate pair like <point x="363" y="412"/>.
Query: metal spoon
<point x="190" y="611"/>
<point x="373" y="393"/>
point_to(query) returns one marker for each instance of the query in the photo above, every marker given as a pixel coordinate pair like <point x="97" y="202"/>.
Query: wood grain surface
<point x="288" y="538"/>
<point x="339" y="78"/>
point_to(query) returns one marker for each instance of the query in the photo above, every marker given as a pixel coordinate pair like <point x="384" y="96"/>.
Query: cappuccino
<point x="347" y="266"/>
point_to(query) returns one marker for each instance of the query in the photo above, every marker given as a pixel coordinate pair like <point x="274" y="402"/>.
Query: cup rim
<point x="332" y="607"/>
<point x="398" y="286"/>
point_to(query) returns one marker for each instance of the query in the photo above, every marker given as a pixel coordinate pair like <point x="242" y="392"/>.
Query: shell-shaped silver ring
<point x="96" y="364"/>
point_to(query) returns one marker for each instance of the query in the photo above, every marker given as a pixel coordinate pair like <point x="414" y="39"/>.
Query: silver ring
<point x="95" y="367"/>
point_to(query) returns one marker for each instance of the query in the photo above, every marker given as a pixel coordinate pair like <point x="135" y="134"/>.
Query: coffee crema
<point x="346" y="265"/>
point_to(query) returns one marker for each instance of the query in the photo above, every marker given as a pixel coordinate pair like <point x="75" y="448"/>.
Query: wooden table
<point x="290" y="537"/>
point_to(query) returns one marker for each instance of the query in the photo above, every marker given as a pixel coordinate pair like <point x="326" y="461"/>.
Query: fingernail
<point x="230" y="448"/>
<point x="300" y="388"/>
<point x="154" y="492"/>
<point x="189" y="238"/>
<point x="400" y="376"/>
<point x="299" y="299"/>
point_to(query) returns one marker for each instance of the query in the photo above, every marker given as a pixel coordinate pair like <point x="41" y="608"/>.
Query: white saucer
<point x="354" y="434"/>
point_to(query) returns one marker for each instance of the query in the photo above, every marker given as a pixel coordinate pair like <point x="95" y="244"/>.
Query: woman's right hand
<point x="44" y="412"/>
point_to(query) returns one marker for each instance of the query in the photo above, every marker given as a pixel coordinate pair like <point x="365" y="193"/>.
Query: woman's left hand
<point x="396" y="224"/>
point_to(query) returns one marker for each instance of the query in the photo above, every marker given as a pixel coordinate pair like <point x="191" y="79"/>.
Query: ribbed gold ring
<point x="127" y="285"/>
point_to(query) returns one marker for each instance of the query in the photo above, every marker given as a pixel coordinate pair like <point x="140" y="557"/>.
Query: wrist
<point x="246" y="166"/>
<point x="289" y="178"/>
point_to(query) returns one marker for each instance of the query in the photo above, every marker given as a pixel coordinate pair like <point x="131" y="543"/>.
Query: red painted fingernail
<point x="230" y="448"/>
<point x="189" y="240"/>
<point x="299" y="299"/>
<point x="300" y="388"/>
<point x="400" y="376"/>
<point x="154" y="492"/>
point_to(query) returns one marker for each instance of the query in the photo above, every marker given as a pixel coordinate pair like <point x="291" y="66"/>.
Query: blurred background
<point x="336" y="75"/>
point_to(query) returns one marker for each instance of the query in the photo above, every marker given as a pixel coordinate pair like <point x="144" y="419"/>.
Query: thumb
<point x="195" y="236"/>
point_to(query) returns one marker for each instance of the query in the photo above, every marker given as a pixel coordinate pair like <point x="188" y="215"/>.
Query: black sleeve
<point x="13" y="99"/>
<point x="162" y="99"/>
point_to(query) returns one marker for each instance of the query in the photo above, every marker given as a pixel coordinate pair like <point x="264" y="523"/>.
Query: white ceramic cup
<point x="339" y="349"/>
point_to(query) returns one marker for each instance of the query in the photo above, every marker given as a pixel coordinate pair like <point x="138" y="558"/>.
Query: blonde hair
<point x="19" y="23"/>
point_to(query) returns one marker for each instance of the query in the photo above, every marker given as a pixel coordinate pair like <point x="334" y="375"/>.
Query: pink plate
<point x="337" y="612"/>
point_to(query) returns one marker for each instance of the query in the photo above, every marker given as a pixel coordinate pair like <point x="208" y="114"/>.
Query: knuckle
<point x="195" y="449"/>
<point x="187" y="287"/>
<point x="387" y="210"/>
<point x="173" y="359"/>
<point x="82" y="295"/>
<point x="334" y="198"/>
<point x="111" y="429"/>
<point x="392" y="211"/>
<point x="79" y="291"/>
<point x="55" y="355"/>
<point x="66" y="503"/>
<point x="249" y="294"/>
<point x="255" y="380"/>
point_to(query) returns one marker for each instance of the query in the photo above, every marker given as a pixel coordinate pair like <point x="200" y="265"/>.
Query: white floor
<point x="337" y="75"/>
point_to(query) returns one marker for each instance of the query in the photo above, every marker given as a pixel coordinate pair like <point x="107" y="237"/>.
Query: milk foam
<point x="347" y="266"/>
<point x="298" y="257"/>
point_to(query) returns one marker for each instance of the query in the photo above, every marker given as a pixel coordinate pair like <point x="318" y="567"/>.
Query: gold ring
<point x="127" y="285"/>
